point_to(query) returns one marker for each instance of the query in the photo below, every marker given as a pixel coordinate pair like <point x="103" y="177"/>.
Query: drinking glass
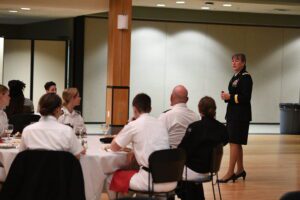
<point x="9" y="130"/>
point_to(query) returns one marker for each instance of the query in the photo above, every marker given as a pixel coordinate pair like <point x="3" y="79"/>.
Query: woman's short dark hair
<point x="142" y="102"/>
<point x="239" y="56"/>
<point x="49" y="84"/>
<point x="48" y="103"/>
<point x="207" y="107"/>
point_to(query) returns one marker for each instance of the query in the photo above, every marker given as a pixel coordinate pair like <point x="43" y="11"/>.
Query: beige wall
<point x="1" y="57"/>
<point x="17" y="62"/>
<point x="49" y="65"/>
<point x="199" y="56"/>
<point x="95" y="70"/>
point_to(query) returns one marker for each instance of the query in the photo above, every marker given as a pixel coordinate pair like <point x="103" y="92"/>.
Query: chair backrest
<point x="291" y="196"/>
<point x="20" y="121"/>
<point x="167" y="165"/>
<point x="44" y="175"/>
<point x="216" y="159"/>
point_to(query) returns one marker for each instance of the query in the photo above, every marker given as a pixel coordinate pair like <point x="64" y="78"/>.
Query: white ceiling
<point x="48" y="9"/>
<point x="54" y="9"/>
<point x="291" y="7"/>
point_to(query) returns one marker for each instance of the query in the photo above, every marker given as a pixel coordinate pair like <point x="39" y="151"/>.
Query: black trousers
<point x="187" y="190"/>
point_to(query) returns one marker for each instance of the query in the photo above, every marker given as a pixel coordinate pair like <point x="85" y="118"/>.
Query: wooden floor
<point x="272" y="163"/>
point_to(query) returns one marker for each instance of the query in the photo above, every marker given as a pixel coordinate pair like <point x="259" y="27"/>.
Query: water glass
<point x="9" y="130"/>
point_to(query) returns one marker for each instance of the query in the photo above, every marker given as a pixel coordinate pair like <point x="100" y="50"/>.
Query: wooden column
<point x="118" y="71"/>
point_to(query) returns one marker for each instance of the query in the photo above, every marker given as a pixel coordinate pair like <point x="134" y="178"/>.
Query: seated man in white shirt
<point x="147" y="134"/>
<point x="48" y="133"/>
<point x="179" y="116"/>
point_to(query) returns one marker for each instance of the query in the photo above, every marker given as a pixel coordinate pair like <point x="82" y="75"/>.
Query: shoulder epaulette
<point x="166" y="110"/>
<point x="245" y="73"/>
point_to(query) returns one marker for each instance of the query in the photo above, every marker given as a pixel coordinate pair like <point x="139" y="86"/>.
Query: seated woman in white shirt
<point x="4" y="101"/>
<point x="48" y="133"/>
<point x="71" y="98"/>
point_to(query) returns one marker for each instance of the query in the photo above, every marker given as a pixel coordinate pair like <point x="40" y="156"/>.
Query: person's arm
<point x="187" y="141"/>
<point x="114" y="146"/>
<point x="244" y="96"/>
<point x="123" y="138"/>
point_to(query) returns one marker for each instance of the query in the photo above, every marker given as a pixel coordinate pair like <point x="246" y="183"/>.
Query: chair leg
<point x="213" y="188"/>
<point x="219" y="187"/>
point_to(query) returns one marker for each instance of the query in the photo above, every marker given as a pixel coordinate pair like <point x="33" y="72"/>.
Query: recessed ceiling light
<point x="205" y="8"/>
<point x="160" y="5"/>
<point x="13" y="11"/>
<point x="25" y="8"/>
<point x="180" y="2"/>
<point x="227" y="5"/>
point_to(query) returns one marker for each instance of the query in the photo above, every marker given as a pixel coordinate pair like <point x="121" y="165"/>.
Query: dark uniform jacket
<point x="199" y="140"/>
<point x="240" y="89"/>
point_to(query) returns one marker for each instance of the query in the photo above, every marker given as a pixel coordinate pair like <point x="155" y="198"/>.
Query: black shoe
<point x="232" y="177"/>
<point x="242" y="174"/>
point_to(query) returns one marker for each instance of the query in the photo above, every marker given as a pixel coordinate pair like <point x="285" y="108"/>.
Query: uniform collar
<point x="180" y="105"/>
<point x="48" y="118"/>
<point x="241" y="72"/>
<point x="66" y="111"/>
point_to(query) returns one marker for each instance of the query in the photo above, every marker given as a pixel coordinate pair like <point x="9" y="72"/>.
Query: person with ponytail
<point x="48" y="133"/>
<point x="4" y="101"/>
<point x="199" y="140"/>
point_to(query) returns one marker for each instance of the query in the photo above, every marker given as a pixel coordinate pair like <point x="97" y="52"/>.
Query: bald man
<point x="179" y="116"/>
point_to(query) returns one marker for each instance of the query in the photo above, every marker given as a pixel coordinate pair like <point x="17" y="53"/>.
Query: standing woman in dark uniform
<point x="238" y="116"/>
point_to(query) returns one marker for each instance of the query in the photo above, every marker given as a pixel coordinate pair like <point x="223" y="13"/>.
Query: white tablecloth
<point x="96" y="165"/>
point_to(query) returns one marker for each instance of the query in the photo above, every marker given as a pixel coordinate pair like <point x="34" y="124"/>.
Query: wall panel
<point x="95" y="69"/>
<point x="49" y="65"/>
<point x="16" y="65"/>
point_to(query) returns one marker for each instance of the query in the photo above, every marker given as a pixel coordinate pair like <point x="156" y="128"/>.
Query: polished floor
<point x="254" y="129"/>
<point x="272" y="162"/>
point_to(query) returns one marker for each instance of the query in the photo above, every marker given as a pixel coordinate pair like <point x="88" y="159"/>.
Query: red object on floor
<point x="121" y="179"/>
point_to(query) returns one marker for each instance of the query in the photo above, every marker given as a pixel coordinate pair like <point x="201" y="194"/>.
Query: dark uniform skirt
<point x="238" y="132"/>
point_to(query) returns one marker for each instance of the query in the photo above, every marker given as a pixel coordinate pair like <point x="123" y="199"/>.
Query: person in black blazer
<point x="238" y="116"/>
<point x="200" y="139"/>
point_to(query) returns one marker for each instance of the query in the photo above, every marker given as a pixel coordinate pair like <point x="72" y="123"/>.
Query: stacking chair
<point x="164" y="166"/>
<point x="44" y="175"/>
<point x="291" y="196"/>
<point x="215" y="163"/>
<point x="20" y="121"/>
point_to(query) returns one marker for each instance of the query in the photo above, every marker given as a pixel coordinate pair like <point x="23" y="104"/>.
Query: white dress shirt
<point x="49" y="134"/>
<point x="3" y="121"/>
<point x="177" y="120"/>
<point x="147" y="134"/>
<point x="74" y="119"/>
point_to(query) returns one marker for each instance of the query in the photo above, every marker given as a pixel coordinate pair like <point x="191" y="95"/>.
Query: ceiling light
<point x="205" y="8"/>
<point x="227" y="5"/>
<point x="25" y="8"/>
<point x="13" y="11"/>
<point x="160" y="5"/>
<point x="180" y="2"/>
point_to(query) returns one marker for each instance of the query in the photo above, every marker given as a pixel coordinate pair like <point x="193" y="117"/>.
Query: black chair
<point x="20" y="121"/>
<point x="44" y="175"/>
<point x="136" y="198"/>
<point x="164" y="166"/>
<point x="291" y="196"/>
<point x="215" y="164"/>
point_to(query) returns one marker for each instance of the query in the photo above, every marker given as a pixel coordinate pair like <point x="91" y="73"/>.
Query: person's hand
<point x="225" y="96"/>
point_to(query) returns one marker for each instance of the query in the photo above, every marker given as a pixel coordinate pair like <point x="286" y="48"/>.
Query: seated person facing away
<point x="18" y="103"/>
<point x="70" y="116"/>
<point x="50" y="87"/>
<point x="48" y="133"/>
<point x="198" y="142"/>
<point x="4" y="101"/>
<point x="147" y="134"/>
<point x="179" y="116"/>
